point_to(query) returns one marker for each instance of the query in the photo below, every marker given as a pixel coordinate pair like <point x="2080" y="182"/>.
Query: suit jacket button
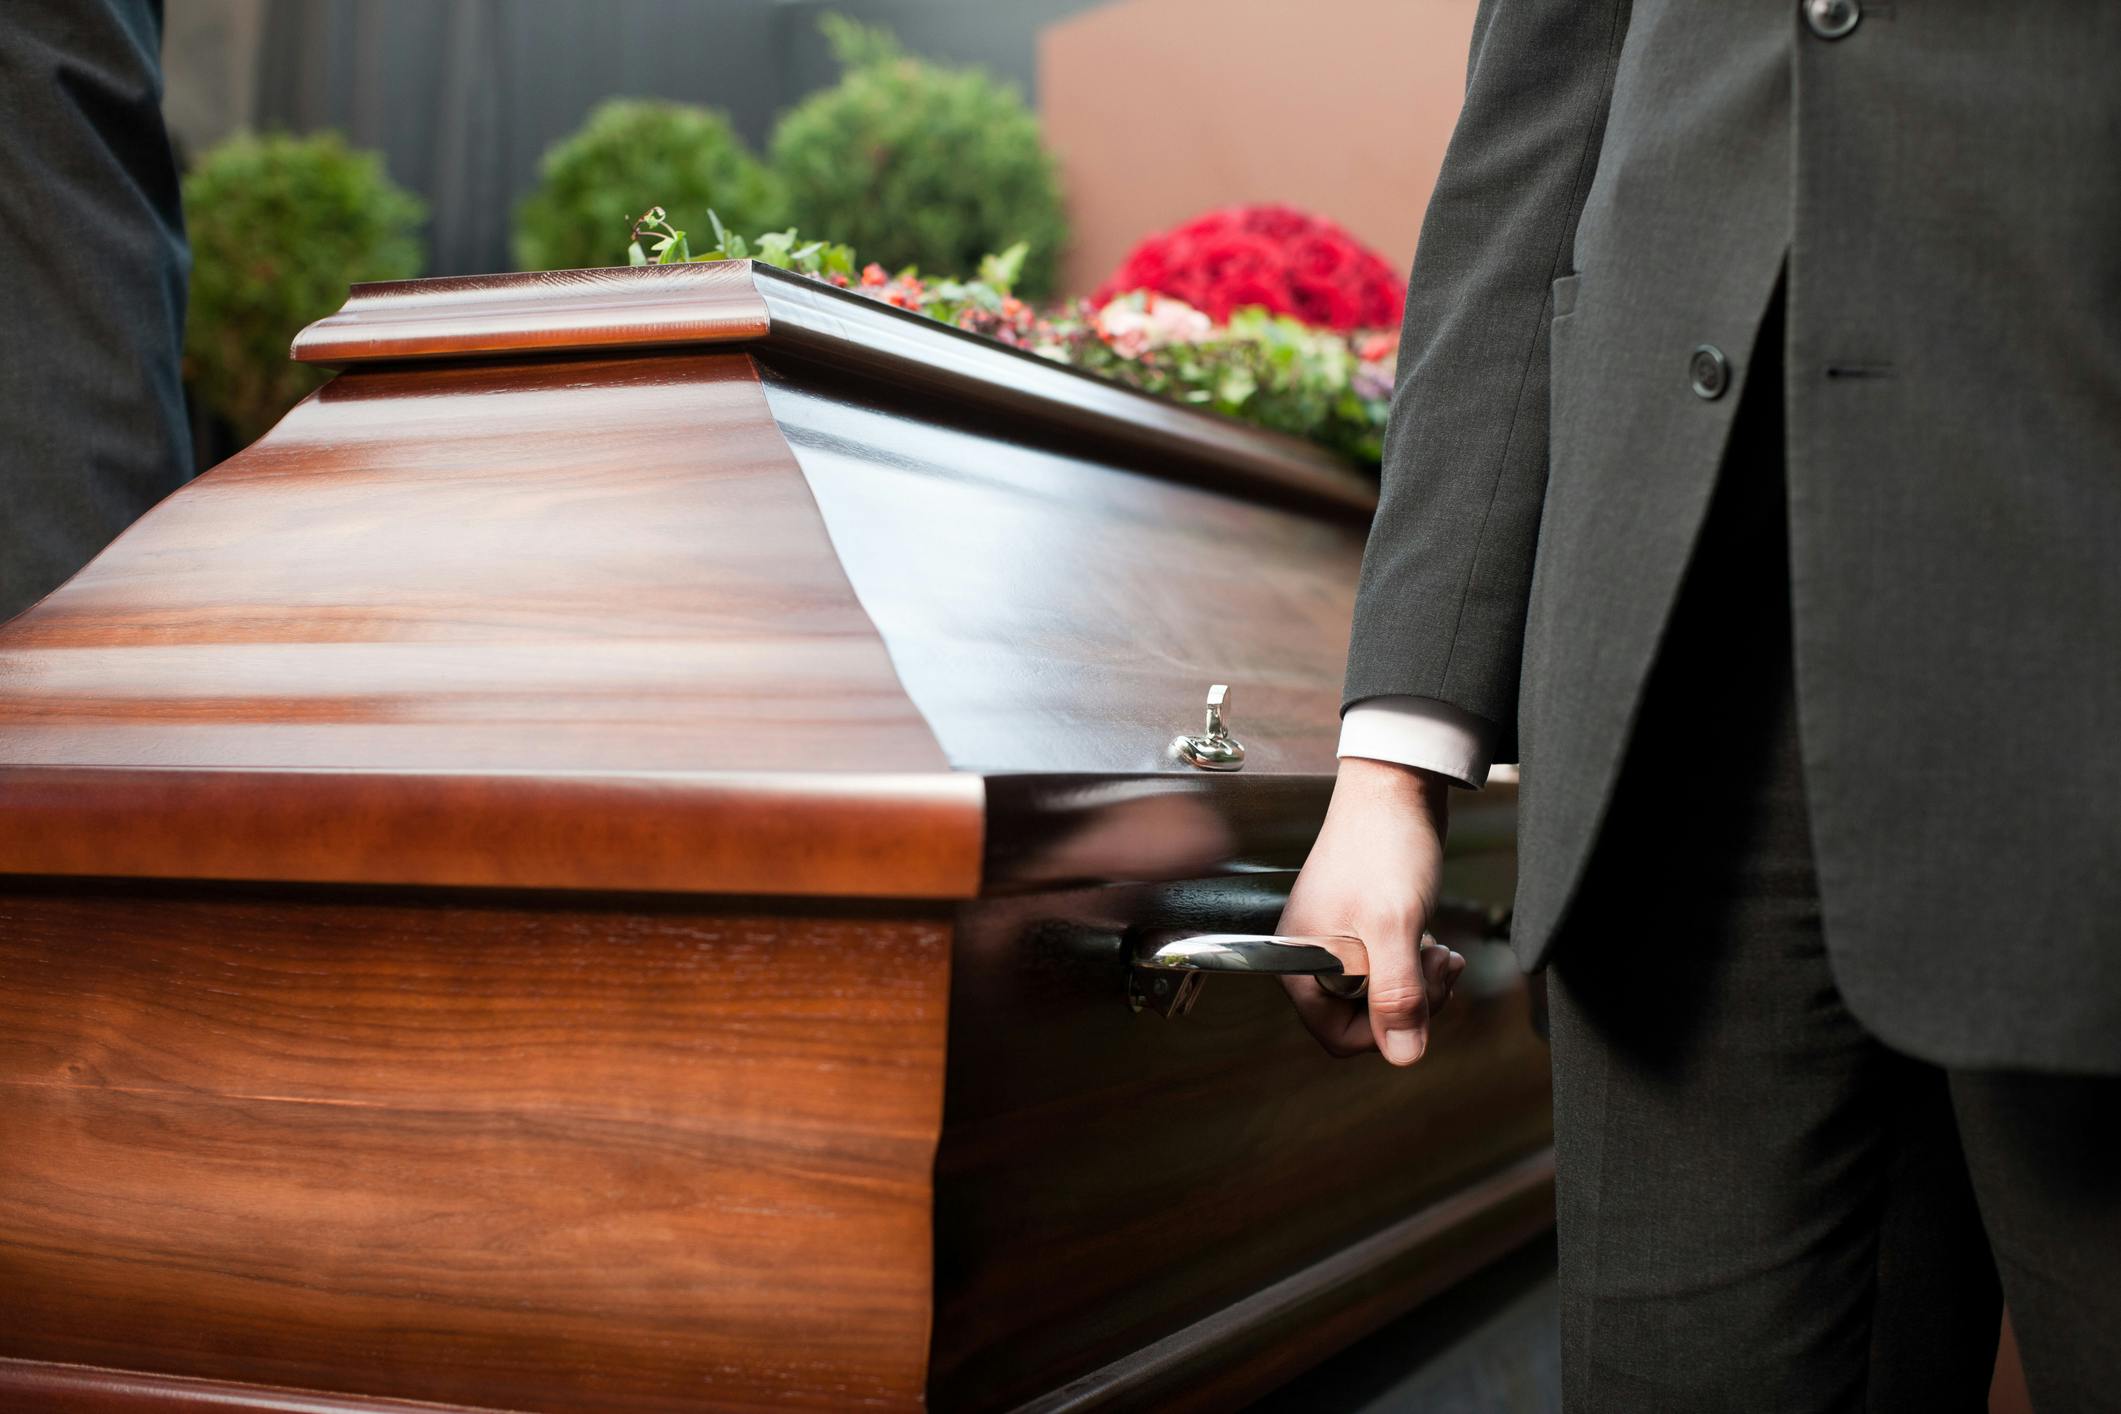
<point x="1710" y="371"/>
<point x="1831" y="19"/>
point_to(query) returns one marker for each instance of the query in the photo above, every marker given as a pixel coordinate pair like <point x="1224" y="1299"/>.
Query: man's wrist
<point x="1395" y="780"/>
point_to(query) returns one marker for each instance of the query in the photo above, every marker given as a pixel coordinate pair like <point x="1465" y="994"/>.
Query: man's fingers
<point x="1436" y="975"/>
<point x="1440" y="967"/>
<point x="1409" y="982"/>
<point x="1339" y="1024"/>
<point x="1347" y="1028"/>
<point x="1320" y="1013"/>
<point x="1399" y="997"/>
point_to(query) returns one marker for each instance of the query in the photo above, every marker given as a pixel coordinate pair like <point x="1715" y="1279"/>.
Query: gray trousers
<point x="1763" y="1207"/>
<point x="92" y="282"/>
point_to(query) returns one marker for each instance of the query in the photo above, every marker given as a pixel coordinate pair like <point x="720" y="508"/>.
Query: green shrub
<point x="279" y="227"/>
<point x="630" y="155"/>
<point x="917" y="164"/>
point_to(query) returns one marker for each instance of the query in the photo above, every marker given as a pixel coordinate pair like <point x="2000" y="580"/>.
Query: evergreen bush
<point x="917" y="164"/>
<point x="279" y="227"/>
<point x="629" y="155"/>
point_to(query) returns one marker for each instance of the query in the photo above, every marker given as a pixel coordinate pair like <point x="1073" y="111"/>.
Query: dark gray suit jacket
<point x="92" y="276"/>
<point x="1943" y="185"/>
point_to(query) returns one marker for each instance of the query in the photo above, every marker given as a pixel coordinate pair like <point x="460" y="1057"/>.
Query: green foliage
<point x="629" y="153"/>
<point x="860" y="46"/>
<point x="1281" y="373"/>
<point x="279" y="227"/>
<point x="1262" y="367"/>
<point x="665" y="244"/>
<point x="918" y="164"/>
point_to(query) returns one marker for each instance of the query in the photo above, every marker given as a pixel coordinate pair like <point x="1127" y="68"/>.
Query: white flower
<point x="1144" y="320"/>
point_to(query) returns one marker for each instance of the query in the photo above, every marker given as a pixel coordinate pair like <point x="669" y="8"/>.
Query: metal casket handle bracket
<point x="1214" y="749"/>
<point x="1170" y="965"/>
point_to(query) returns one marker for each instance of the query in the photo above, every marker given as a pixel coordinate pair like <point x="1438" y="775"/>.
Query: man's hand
<point x="1373" y="874"/>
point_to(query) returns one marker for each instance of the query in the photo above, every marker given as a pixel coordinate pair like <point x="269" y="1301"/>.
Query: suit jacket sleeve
<point x="1441" y="607"/>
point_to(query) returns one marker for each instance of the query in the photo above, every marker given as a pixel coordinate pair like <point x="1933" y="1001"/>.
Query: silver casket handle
<point x="1340" y="963"/>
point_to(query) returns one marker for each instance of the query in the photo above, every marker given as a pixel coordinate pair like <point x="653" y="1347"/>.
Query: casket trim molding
<point x="660" y="307"/>
<point x="883" y="835"/>
<point x="557" y="311"/>
<point x="94" y="1389"/>
<point x="1276" y="1333"/>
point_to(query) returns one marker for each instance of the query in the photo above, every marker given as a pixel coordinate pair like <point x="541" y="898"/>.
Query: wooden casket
<point x="592" y="869"/>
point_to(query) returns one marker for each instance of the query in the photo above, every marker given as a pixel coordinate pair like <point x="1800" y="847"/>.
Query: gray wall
<point x="1000" y="36"/>
<point x="462" y="97"/>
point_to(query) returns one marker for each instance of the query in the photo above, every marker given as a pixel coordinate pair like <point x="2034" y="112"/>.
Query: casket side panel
<point x="1116" y="1189"/>
<point x="1054" y="608"/>
<point x="1112" y="1181"/>
<point x="520" y="1152"/>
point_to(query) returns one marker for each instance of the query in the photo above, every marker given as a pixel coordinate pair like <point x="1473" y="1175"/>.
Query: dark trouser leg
<point x="1761" y="1207"/>
<point x="92" y="276"/>
<point x="2045" y="1152"/>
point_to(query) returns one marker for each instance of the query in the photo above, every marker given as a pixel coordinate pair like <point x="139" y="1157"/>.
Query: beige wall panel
<point x="1161" y="109"/>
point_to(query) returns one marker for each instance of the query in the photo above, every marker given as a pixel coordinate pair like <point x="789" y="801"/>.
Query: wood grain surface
<point x="590" y="598"/>
<point x="563" y="1155"/>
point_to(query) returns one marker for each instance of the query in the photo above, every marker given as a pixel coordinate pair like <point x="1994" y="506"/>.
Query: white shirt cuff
<point x="1420" y="732"/>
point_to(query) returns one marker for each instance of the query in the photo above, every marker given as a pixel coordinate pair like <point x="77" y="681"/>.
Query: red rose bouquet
<point x="1286" y="260"/>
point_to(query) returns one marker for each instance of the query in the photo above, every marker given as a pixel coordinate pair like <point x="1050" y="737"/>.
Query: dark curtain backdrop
<point x="461" y="98"/>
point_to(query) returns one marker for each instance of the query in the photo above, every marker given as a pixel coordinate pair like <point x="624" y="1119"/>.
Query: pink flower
<point x="1376" y="345"/>
<point x="1135" y="324"/>
<point x="1373" y="381"/>
<point x="1173" y="321"/>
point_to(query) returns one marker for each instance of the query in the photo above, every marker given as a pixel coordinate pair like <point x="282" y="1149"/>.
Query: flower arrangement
<point x="1276" y="257"/>
<point x="1265" y="367"/>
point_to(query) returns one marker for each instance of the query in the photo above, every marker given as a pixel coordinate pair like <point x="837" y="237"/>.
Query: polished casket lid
<point x="568" y="581"/>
